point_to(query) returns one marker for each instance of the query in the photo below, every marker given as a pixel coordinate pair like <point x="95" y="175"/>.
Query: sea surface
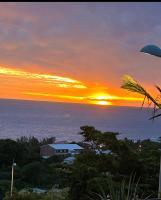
<point x="63" y="120"/>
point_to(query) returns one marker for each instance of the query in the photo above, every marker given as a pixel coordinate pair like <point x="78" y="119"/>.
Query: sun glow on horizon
<point x="104" y="96"/>
<point x="79" y="99"/>
<point x="97" y="100"/>
<point x="104" y="103"/>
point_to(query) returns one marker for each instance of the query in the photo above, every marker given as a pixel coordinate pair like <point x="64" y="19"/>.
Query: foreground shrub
<point x="24" y="196"/>
<point x="125" y="191"/>
<point x="53" y="194"/>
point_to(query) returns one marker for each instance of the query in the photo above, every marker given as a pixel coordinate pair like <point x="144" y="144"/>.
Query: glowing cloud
<point x="53" y="95"/>
<point x="57" y="80"/>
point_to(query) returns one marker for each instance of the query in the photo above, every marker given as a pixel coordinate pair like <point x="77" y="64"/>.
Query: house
<point x="49" y="150"/>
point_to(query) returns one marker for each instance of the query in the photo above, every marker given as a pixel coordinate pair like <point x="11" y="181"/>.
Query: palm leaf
<point x="131" y="85"/>
<point x="159" y="89"/>
<point x="155" y="116"/>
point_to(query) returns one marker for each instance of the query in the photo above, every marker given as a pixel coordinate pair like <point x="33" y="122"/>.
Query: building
<point x="49" y="150"/>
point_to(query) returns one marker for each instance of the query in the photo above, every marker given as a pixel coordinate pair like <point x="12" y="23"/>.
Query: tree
<point x="30" y="149"/>
<point x="31" y="173"/>
<point x="99" y="140"/>
<point x="81" y="174"/>
<point x="9" y="150"/>
<point x="49" y="140"/>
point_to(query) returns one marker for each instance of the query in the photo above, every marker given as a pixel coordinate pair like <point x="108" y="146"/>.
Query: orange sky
<point x="16" y="83"/>
<point x="77" y="52"/>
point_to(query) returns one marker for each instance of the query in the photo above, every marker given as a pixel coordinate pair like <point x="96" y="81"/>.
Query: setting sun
<point x="104" y="103"/>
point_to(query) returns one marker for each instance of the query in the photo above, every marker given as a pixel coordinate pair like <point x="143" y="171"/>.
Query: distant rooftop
<point x="68" y="159"/>
<point x="103" y="151"/>
<point x="66" y="146"/>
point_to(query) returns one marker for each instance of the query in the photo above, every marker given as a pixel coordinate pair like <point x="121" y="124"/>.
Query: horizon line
<point x="47" y="101"/>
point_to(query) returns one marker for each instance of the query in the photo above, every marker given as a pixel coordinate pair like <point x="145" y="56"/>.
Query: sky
<point x="78" y="52"/>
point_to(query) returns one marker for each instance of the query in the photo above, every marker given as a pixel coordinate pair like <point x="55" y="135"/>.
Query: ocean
<point x="63" y="120"/>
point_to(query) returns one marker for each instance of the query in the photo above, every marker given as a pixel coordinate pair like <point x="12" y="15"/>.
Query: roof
<point x="103" y="151"/>
<point x="65" y="146"/>
<point x="45" y="157"/>
<point x="37" y="190"/>
<point x="68" y="159"/>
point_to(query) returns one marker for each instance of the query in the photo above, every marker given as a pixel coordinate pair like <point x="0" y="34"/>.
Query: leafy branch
<point x="132" y="85"/>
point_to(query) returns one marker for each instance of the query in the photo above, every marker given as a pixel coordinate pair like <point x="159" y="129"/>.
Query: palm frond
<point x="158" y="88"/>
<point x="143" y="102"/>
<point x="154" y="116"/>
<point x="131" y="85"/>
